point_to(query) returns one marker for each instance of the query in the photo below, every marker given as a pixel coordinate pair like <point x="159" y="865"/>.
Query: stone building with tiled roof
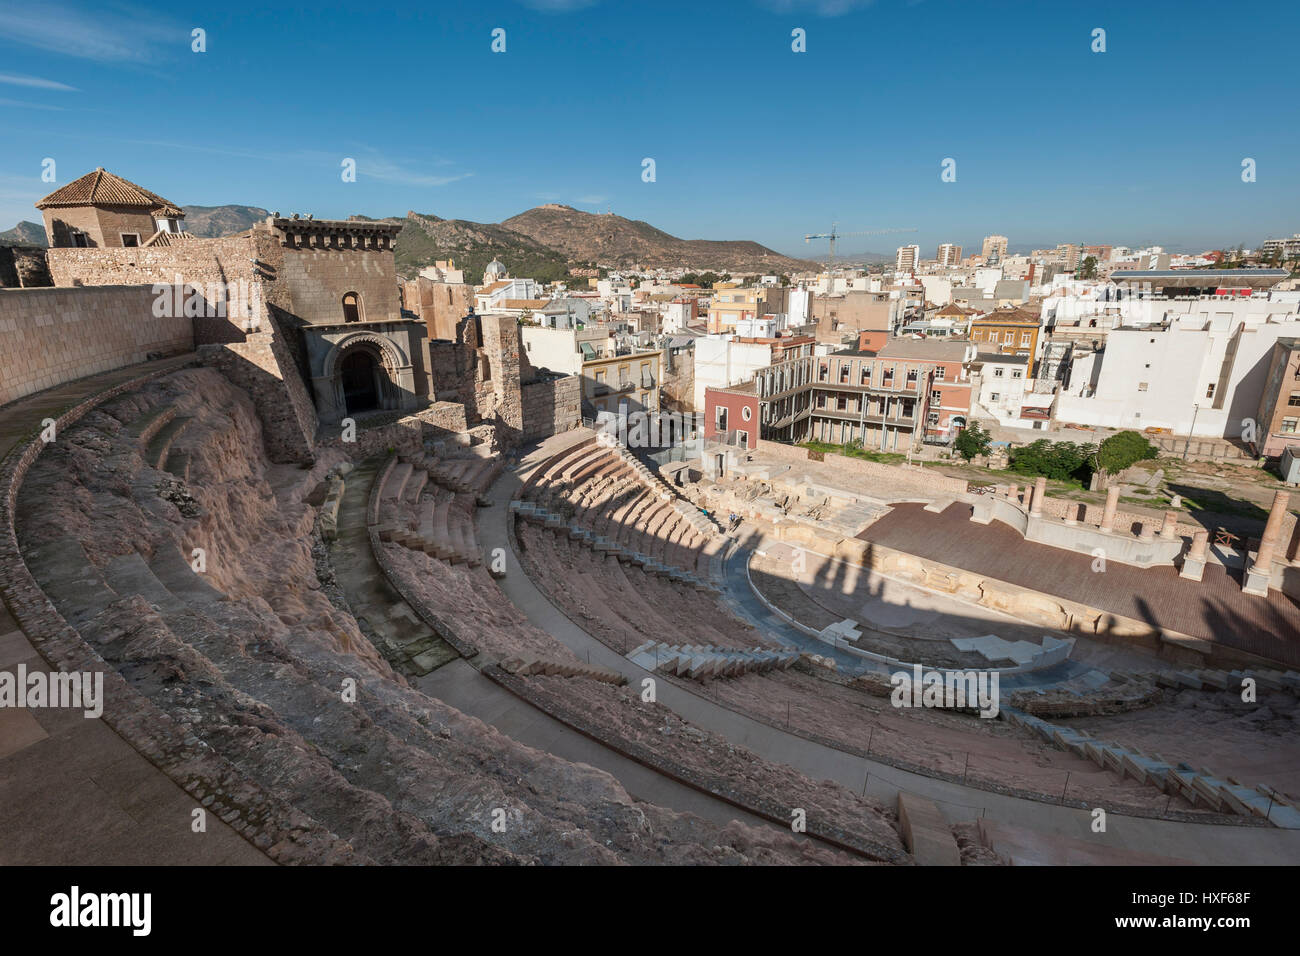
<point x="102" y="210"/>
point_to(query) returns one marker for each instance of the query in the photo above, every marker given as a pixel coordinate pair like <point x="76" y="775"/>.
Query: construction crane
<point x="834" y="234"/>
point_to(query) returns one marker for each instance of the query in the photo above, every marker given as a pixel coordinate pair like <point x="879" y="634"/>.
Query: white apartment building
<point x="1198" y="368"/>
<point x="948" y="254"/>
<point x="1003" y="385"/>
<point x="492" y="298"/>
<point x="906" y="259"/>
<point x="938" y="289"/>
<point x="721" y="361"/>
<point x="564" y="350"/>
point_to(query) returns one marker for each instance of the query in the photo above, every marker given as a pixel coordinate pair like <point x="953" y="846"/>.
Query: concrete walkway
<point x="1195" y="843"/>
<point x="72" y="791"/>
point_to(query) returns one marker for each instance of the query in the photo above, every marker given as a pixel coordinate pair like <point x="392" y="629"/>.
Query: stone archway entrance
<point x="361" y="372"/>
<point x="359" y="376"/>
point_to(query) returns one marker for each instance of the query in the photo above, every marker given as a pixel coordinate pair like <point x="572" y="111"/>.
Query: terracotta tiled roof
<point x="102" y="188"/>
<point x="526" y="303"/>
<point x="1009" y="314"/>
<point x="488" y="290"/>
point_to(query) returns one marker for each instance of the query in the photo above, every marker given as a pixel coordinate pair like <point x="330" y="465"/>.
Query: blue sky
<point x="1053" y="143"/>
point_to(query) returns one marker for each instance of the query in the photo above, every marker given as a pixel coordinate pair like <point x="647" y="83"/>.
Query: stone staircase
<point x="1213" y="679"/>
<point x="545" y="668"/>
<point x="445" y="532"/>
<point x="535" y="513"/>
<point x="465" y="475"/>
<point x="705" y="660"/>
<point x="698" y="520"/>
<point x="1199" y="787"/>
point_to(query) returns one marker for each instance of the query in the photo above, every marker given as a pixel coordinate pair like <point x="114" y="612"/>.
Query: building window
<point x="842" y="403"/>
<point x="932" y="419"/>
<point x="997" y="372"/>
<point x="940" y="373"/>
<point x="1209" y="390"/>
<point x="1016" y="373"/>
<point x="1294" y="400"/>
<point x="130" y="239"/>
<point x="746" y="413"/>
<point x="823" y="372"/>
<point x="936" y="398"/>
<point x="844" y="374"/>
<point x="744" y="439"/>
<point x="994" y="396"/>
<point x="1142" y="386"/>
<point x="351" y="307"/>
<point x="1289" y="425"/>
<point x="1025" y="337"/>
<point x="720" y="418"/>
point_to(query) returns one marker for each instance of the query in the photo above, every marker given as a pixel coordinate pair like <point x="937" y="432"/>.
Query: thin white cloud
<point x="558" y="6"/>
<point x="21" y="104"/>
<point x="592" y="200"/>
<point x="820" y="8"/>
<point x="370" y="164"/>
<point x="104" y="33"/>
<point x="35" y="82"/>
<point x="377" y="167"/>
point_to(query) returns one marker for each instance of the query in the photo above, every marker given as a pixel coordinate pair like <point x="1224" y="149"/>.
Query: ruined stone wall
<point x="265" y="362"/>
<point x="404" y="435"/>
<point x="261" y="366"/>
<point x="23" y="267"/>
<point x="202" y="262"/>
<point x="50" y="336"/>
<point x="552" y="406"/>
<point x="501" y="343"/>
<point x="1090" y="514"/>
<point x="441" y="305"/>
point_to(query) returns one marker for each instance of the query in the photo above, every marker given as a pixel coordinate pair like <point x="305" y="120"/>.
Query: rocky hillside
<point x="542" y="243"/>
<point x="614" y="241"/>
<point x="472" y="245"/>
<point x="213" y="222"/>
<point x="24" y="234"/>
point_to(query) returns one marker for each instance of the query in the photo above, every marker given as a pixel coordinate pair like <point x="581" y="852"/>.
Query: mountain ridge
<point x="543" y="243"/>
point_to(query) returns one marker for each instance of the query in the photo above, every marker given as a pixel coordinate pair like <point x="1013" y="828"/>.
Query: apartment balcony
<point x="884" y="389"/>
<point x="790" y="419"/>
<point x="851" y="416"/>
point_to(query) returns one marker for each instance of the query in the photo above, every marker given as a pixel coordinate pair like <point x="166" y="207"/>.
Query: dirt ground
<point x="1250" y="742"/>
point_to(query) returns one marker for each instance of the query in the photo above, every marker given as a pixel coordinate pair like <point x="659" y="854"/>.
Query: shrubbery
<point x="1122" y="450"/>
<point x="1061" y="461"/>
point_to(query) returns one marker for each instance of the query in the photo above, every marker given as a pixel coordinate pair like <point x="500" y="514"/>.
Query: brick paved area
<point x="1214" y="609"/>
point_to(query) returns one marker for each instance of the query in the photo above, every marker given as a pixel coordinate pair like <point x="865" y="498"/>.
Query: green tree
<point x="1121" y="450"/>
<point x="1088" y="268"/>
<point x="1060" y="461"/>
<point x="972" y="441"/>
